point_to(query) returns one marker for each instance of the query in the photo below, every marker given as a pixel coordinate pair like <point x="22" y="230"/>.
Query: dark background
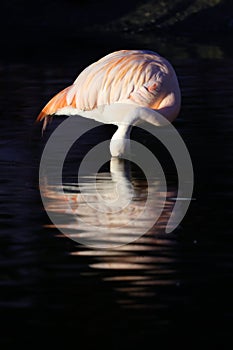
<point x="43" y="29"/>
<point x="56" y="292"/>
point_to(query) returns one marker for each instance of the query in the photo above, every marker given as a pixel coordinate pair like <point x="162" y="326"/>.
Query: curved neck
<point x="120" y="141"/>
<point x="170" y="105"/>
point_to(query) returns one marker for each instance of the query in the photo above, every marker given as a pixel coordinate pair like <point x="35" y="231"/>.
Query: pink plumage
<point x="117" y="87"/>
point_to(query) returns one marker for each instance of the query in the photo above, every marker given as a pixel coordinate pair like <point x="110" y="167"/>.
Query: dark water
<point x="162" y="289"/>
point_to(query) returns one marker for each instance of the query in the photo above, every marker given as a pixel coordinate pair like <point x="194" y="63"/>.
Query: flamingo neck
<point x="120" y="142"/>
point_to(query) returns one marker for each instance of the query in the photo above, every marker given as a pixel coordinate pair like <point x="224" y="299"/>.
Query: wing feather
<point x="119" y="76"/>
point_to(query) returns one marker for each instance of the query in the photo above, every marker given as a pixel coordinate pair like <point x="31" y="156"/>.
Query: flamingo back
<point x="136" y="76"/>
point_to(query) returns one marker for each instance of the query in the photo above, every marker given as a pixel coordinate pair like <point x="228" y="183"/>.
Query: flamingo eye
<point x="152" y="87"/>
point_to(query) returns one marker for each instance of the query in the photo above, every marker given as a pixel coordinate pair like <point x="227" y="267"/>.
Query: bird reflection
<point x="107" y="209"/>
<point x="136" y="269"/>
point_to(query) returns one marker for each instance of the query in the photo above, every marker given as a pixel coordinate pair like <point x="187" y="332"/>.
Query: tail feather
<point x="57" y="102"/>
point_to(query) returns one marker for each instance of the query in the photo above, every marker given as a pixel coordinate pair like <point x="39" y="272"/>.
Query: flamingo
<point x="123" y="88"/>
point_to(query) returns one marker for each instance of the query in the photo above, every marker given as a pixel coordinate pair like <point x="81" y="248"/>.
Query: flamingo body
<point x="121" y="88"/>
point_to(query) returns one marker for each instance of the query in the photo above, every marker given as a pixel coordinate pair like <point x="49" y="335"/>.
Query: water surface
<point x="167" y="288"/>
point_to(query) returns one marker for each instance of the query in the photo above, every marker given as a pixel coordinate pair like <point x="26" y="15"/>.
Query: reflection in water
<point x="133" y="270"/>
<point x="105" y="210"/>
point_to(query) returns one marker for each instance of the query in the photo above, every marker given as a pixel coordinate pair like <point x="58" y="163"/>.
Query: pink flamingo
<point x="122" y="88"/>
